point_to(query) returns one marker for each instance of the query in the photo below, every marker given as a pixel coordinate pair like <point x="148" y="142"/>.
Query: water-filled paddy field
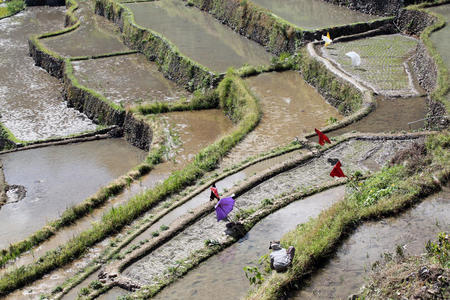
<point x="95" y="35"/>
<point x="58" y="177"/>
<point x="345" y="272"/>
<point x="127" y="80"/>
<point x="290" y="108"/>
<point x="198" y="35"/>
<point x="224" y="272"/>
<point x="311" y="14"/>
<point x="31" y="105"/>
<point x="382" y="65"/>
<point x="354" y="155"/>
<point x="53" y="183"/>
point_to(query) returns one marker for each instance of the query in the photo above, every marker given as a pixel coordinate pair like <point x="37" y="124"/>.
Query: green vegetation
<point x="412" y="277"/>
<point x="443" y="82"/>
<point x="382" y="60"/>
<point x="74" y="213"/>
<point x="71" y="81"/>
<point x="348" y="99"/>
<point x="8" y="138"/>
<point x="155" y="47"/>
<point x="12" y="7"/>
<point x="390" y="190"/>
<point x="237" y="102"/>
<point x="207" y="100"/>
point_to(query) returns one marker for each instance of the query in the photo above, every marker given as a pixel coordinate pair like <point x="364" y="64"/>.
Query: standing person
<point x="280" y="259"/>
<point x="214" y="193"/>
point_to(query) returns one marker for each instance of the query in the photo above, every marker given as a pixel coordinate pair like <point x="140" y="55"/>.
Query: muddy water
<point x="58" y="177"/>
<point x="345" y="273"/>
<point x="313" y="14"/>
<point x="440" y="38"/>
<point x="31" y="105"/>
<point x="127" y="79"/>
<point x="389" y="115"/>
<point x="94" y="36"/>
<point x="191" y="130"/>
<point x="290" y="108"/>
<point x="198" y="35"/>
<point x="355" y="155"/>
<point x="224" y="273"/>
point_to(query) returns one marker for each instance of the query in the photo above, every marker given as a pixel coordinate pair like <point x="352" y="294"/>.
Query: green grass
<point x="11" y="8"/>
<point x="442" y="91"/>
<point x="348" y="98"/>
<point x="237" y="101"/>
<point x="390" y="190"/>
<point x="382" y="60"/>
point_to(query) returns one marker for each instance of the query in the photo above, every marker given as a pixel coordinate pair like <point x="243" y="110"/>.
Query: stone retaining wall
<point x="275" y="34"/>
<point x="413" y="22"/>
<point x="375" y="7"/>
<point x="424" y="68"/>
<point x="51" y="63"/>
<point x="155" y="47"/>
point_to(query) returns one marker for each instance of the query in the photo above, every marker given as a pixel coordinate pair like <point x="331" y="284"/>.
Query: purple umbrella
<point x="224" y="207"/>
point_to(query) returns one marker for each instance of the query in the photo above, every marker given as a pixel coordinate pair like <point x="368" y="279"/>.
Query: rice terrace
<point x="224" y="149"/>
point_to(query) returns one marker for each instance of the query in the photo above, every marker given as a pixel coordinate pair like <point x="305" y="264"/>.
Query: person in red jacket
<point x="214" y="193"/>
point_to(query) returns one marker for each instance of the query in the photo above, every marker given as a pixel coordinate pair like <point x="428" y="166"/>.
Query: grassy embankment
<point x="443" y="83"/>
<point x="237" y="102"/>
<point x="412" y="277"/>
<point x="11" y="8"/>
<point x="389" y="191"/>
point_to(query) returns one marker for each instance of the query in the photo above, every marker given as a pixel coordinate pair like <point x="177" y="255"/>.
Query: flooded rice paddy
<point x="127" y="80"/>
<point x="313" y="14"/>
<point x="224" y="273"/>
<point x="355" y="155"/>
<point x="31" y="105"/>
<point x="382" y="62"/>
<point x="198" y="35"/>
<point x="391" y="114"/>
<point x="95" y="35"/>
<point x="192" y="136"/>
<point x="57" y="178"/>
<point x="344" y="274"/>
<point x="290" y="108"/>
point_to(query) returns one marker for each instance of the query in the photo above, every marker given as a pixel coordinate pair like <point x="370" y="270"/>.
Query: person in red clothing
<point x="214" y="193"/>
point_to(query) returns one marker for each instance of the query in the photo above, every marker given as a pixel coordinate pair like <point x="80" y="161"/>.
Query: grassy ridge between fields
<point x="388" y="192"/>
<point x="238" y="103"/>
<point x="443" y="82"/>
<point x="173" y="64"/>
<point x="11" y="8"/>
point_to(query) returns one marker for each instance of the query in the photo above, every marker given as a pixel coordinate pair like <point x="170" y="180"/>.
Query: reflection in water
<point x="223" y="272"/>
<point x="127" y="79"/>
<point x="94" y="36"/>
<point x="59" y="177"/>
<point x="290" y="108"/>
<point x="31" y="105"/>
<point x="198" y="35"/>
<point x="313" y="14"/>
<point x="344" y="274"/>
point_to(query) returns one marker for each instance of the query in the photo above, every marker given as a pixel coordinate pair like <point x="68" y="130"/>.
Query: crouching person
<point x="280" y="258"/>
